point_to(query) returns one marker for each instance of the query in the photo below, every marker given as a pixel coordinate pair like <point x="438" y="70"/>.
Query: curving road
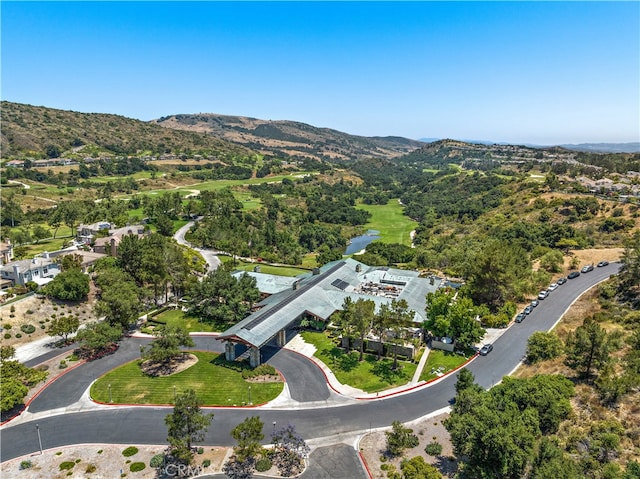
<point x="145" y="425"/>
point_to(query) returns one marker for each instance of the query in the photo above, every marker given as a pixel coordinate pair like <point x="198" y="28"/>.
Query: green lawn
<point x="389" y="220"/>
<point x="175" y="317"/>
<point x="264" y="268"/>
<point x="369" y="375"/>
<point x="214" y="384"/>
<point x="444" y="360"/>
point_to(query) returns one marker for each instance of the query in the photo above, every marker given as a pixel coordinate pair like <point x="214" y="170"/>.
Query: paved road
<point x="145" y="425"/>
<point x="212" y="260"/>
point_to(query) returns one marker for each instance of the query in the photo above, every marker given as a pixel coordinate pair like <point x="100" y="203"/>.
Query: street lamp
<point x="274" y="427"/>
<point x="39" y="438"/>
<point x="110" y="399"/>
<point x="250" y="403"/>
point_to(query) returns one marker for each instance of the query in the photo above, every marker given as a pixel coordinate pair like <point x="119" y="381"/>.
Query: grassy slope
<point x="389" y="219"/>
<point x="130" y="386"/>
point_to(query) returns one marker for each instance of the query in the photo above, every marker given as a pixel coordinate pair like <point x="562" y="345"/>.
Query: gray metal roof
<point x="323" y="294"/>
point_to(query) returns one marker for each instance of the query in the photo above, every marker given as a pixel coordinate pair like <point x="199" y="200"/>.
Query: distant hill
<point x="633" y="147"/>
<point x="605" y="147"/>
<point x="38" y="131"/>
<point x="290" y="138"/>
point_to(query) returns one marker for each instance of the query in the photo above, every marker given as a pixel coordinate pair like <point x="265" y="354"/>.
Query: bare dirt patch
<point x="39" y="311"/>
<point x="428" y="430"/>
<point x="107" y="460"/>
<point x="168" y="368"/>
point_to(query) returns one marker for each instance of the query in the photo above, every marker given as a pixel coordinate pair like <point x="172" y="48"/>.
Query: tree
<point x="13" y="392"/>
<point x="588" y="348"/>
<point x="552" y="261"/>
<point x="542" y="346"/>
<point x="466" y="380"/>
<point x="70" y="285"/>
<point x="186" y="425"/>
<point x="71" y="261"/>
<point x="248" y="434"/>
<point x="455" y="318"/>
<point x="97" y="336"/>
<point x="400" y="438"/>
<point x="64" y="326"/>
<point x="236" y="469"/>
<point x="397" y="317"/>
<point x="119" y="299"/>
<point x="629" y="277"/>
<point x="40" y="233"/>
<point x="289" y="450"/>
<point x="7" y="352"/>
<point x="355" y="319"/>
<point x="417" y="468"/>
<point x="167" y="344"/>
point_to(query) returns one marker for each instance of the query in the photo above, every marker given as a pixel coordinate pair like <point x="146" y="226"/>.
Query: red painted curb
<point x="44" y="386"/>
<point x="366" y="466"/>
<point x="390" y="394"/>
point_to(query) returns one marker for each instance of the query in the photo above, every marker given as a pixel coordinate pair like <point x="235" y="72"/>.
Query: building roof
<point x="268" y="283"/>
<point x="324" y="293"/>
<point x="27" y="264"/>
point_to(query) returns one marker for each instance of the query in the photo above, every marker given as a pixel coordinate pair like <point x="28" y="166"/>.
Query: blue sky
<point x="540" y="72"/>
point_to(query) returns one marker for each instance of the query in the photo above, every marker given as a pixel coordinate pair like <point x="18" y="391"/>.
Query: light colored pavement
<point x="209" y="256"/>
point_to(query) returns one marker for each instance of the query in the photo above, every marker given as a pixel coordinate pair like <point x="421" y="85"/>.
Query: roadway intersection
<point x="318" y="413"/>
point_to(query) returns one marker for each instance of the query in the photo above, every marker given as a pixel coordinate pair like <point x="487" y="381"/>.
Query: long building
<point x="317" y="296"/>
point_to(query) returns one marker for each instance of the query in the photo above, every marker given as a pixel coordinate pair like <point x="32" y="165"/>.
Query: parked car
<point x="552" y="287"/>
<point x="535" y="303"/>
<point x="486" y="349"/>
<point x="587" y="268"/>
<point x="602" y="263"/>
<point x="520" y="317"/>
<point x="561" y="280"/>
<point x="543" y="294"/>
<point x="528" y="309"/>
<point x="573" y="274"/>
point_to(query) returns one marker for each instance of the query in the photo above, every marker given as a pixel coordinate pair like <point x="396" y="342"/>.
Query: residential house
<point x="39" y="270"/>
<point x="109" y="244"/>
<point x="6" y="252"/>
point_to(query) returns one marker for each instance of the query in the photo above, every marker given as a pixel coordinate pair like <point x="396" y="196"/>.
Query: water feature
<point x="360" y="242"/>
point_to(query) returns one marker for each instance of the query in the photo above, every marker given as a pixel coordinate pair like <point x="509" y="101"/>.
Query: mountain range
<point x="632" y="147"/>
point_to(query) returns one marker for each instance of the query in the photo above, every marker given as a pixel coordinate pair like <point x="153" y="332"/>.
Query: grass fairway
<point x="370" y="375"/>
<point x="264" y="268"/>
<point x="175" y="317"/>
<point x="214" y="384"/>
<point x="440" y="362"/>
<point x="393" y="225"/>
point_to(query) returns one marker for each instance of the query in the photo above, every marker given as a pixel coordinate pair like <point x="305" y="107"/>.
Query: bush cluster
<point x="130" y="451"/>
<point x="27" y="328"/>
<point x="262" y="370"/>
<point x="263" y="464"/>
<point x="137" y="466"/>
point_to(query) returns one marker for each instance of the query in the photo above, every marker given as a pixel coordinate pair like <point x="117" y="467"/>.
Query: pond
<point x="360" y="242"/>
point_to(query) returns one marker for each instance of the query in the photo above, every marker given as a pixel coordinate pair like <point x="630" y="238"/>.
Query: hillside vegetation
<point x="290" y="138"/>
<point x="40" y="132"/>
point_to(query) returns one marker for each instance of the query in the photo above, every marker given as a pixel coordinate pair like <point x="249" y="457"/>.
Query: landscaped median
<point x="370" y="375"/>
<point x="215" y="381"/>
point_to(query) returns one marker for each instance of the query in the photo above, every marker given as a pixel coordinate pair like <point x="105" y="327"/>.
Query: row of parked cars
<point x="487" y="348"/>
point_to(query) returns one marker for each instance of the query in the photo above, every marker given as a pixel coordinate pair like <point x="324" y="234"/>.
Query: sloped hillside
<point x="40" y="132"/>
<point x="289" y="138"/>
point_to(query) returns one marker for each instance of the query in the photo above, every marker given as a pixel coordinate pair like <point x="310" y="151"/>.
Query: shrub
<point x="63" y="364"/>
<point x="29" y="311"/>
<point x="18" y="335"/>
<point x="25" y="464"/>
<point x="7" y="336"/>
<point x="42" y="326"/>
<point x="433" y="449"/>
<point x="201" y="450"/>
<point x="58" y="453"/>
<point x="263" y="464"/>
<point x="78" y="461"/>
<point x="157" y="460"/>
<point x="27" y="328"/>
<point x="66" y="465"/>
<point x="99" y="451"/>
<point x="206" y="463"/>
<point x="130" y="451"/>
<point x="7" y="326"/>
<point x="137" y="466"/>
<point x="12" y="309"/>
<point x="91" y="468"/>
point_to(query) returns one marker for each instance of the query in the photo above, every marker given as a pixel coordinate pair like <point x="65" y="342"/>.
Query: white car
<point x="543" y="294"/>
<point x="552" y="287"/>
